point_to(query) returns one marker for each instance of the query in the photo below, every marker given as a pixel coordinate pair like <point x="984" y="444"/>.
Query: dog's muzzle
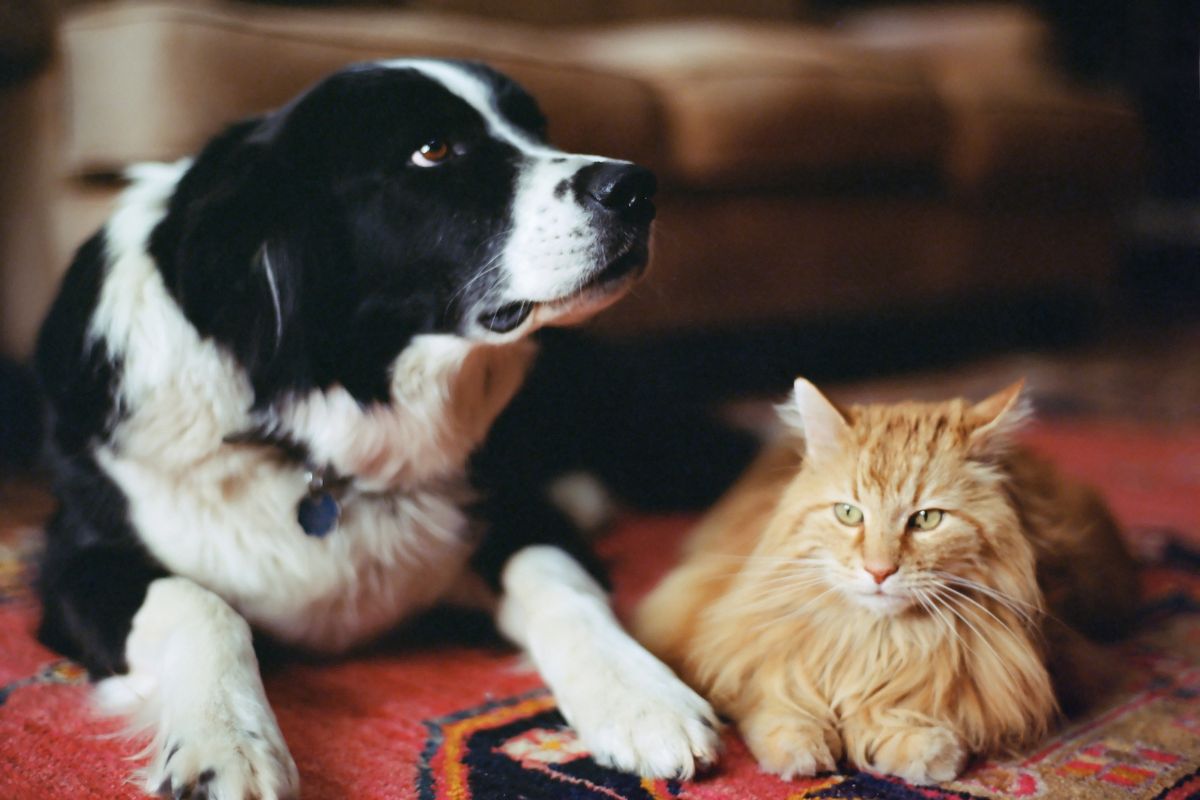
<point x="620" y="197"/>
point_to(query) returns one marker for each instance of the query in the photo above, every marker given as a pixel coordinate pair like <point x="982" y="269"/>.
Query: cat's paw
<point x="791" y="747"/>
<point x="224" y="765"/>
<point x="920" y="755"/>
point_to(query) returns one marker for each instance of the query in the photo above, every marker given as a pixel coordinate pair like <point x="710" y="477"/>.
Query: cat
<point x="881" y="588"/>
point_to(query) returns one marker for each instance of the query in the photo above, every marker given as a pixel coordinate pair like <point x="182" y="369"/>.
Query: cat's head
<point x="896" y="506"/>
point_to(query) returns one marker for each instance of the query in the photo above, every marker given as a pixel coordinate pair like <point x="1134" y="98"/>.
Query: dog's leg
<point x="629" y="709"/>
<point x="193" y="682"/>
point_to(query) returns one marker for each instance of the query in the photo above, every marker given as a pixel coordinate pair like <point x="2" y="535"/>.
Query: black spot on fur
<point x="94" y="571"/>
<point x="77" y="376"/>
<point x="20" y="417"/>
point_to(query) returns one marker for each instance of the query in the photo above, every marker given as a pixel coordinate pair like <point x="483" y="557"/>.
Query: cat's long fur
<point x="773" y="615"/>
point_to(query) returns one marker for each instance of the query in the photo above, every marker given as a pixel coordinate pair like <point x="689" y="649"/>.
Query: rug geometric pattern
<point x="445" y="711"/>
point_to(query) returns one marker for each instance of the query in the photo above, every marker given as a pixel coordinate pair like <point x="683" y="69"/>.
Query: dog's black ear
<point x="242" y="245"/>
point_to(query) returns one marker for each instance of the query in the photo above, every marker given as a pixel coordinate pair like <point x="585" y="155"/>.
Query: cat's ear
<point x="998" y="418"/>
<point x="815" y="419"/>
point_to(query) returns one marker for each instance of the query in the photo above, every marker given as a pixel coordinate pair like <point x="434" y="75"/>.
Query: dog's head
<point x="394" y="199"/>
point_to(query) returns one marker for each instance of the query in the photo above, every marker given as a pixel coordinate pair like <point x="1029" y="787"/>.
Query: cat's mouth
<point x="881" y="602"/>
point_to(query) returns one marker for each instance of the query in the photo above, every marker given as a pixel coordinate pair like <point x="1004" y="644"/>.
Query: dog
<point x="266" y="376"/>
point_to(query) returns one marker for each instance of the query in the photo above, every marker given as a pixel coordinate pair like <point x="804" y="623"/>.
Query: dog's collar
<point x="320" y="510"/>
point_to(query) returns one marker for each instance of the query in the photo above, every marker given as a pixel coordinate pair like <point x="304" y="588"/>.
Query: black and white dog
<point x="267" y="374"/>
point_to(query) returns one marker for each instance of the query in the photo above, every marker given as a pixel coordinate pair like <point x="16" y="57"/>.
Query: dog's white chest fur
<point x="231" y="526"/>
<point x="225" y="515"/>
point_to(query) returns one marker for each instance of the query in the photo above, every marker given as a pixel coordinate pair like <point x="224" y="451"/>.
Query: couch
<point x="894" y="160"/>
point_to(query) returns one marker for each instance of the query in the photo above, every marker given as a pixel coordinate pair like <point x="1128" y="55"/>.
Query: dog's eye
<point x="432" y="153"/>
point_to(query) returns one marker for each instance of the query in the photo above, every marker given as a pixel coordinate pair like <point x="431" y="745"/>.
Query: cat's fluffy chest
<point x="870" y="589"/>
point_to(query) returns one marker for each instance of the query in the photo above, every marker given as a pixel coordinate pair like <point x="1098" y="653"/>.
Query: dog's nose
<point x="619" y="188"/>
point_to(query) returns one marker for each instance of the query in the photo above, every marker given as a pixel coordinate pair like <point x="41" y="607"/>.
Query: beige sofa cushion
<point x="153" y="81"/>
<point x="705" y="103"/>
<point x="727" y="261"/>
<point x="752" y="104"/>
<point x="1017" y="125"/>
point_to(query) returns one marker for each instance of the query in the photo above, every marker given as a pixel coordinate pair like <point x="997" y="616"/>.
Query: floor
<point x="1144" y="375"/>
<point x="1141" y="374"/>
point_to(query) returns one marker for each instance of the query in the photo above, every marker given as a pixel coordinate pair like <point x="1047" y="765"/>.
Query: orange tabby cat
<point x="876" y="590"/>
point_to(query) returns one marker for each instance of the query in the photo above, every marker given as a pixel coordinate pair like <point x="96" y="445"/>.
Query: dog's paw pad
<point x="659" y="730"/>
<point x="245" y="766"/>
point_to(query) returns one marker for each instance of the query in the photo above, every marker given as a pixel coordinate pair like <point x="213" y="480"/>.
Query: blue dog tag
<point x="318" y="514"/>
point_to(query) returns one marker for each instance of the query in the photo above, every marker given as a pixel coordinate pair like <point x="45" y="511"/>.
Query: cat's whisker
<point x="967" y="582"/>
<point x="951" y="606"/>
<point x="780" y="587"/>
<point x="765" y="599"/>
<point x="788" y="577"/>
<point x="779" y="574"/>
<point x="982" y="608"/>
<point x="764" y="558"/>
<point x="1013" y="604"/>
<point x="793" y="612"/>
<point x="945" y="580"/>
<point x="785" y="590"/>
<point x="931" y="600"/>
<point x="1029" y="609"/>
<point x="955" y="614"/>
<point x="927" y="602"/>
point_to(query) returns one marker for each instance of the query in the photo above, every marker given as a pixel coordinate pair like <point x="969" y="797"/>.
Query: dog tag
<point x="318" y="514"/>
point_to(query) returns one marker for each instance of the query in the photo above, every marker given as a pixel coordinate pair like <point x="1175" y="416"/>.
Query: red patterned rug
<point x="448" y="712"/>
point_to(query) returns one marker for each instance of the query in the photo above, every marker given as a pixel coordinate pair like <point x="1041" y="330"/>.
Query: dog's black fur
<point x="314" y="183"/>
<point x="321" y="183"/>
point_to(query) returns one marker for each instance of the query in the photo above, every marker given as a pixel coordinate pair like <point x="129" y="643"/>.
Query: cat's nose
<point x="880" y="573"/>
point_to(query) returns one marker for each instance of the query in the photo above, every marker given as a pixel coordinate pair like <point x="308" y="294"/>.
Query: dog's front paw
<point x="645" y="721"/>
<point x="791" y="747"/>
<point x="224" y="765"/>
<point x="920" y="755"/>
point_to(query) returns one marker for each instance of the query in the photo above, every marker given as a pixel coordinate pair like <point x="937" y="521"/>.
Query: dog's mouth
<point x="599" y="291"/>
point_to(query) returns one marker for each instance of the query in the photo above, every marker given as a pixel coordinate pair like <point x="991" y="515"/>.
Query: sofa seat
<point x="721" y="104"/>
<point x="1017" y="127"/>
<point x="915" y="154"/>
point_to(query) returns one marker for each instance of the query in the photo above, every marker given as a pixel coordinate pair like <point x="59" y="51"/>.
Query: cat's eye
<point x="432" y="153"/>
<point x="848" y="514"/>
<point x="926" y="519"/>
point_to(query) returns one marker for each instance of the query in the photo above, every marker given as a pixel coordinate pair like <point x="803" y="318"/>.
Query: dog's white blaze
<point x="553" y="246"/>
<point x="470" y="88"/>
